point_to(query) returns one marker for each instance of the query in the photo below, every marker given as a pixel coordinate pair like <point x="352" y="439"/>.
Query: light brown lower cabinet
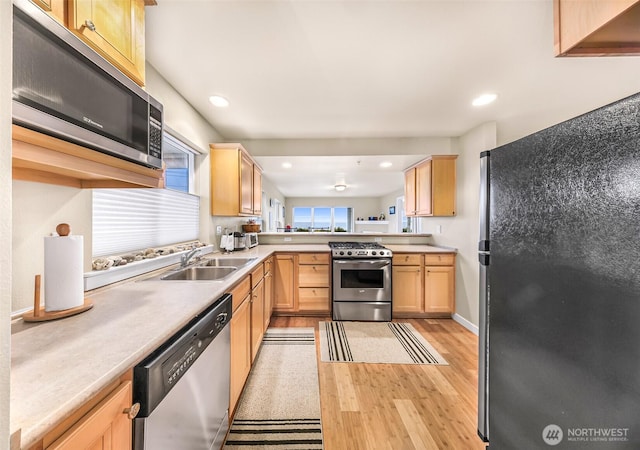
<point x="439" y="289"/>
<point x="423" y="284"/>
<point x="240" y="351"/>
<point x="314" y="279"/>
<point x="284" y="279"/>
<point x="257" y="318"/>
<point x="302" y="283"/>
<point x="104" y="423"/>
<point x="268" y="292"/>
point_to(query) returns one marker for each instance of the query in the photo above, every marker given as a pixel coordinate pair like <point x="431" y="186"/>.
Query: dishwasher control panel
<point x="154" y="377"/>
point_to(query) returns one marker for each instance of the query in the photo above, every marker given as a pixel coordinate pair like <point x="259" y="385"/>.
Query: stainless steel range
<point x="361" y="280"/>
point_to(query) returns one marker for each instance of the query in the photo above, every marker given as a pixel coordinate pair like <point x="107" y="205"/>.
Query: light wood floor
<point x="398" y="406"/>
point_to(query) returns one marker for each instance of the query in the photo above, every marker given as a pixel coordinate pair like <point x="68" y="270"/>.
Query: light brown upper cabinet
<point x="430" y="187"/>
<point x="114" y="29"/>
<point x="597" y="27"/>
<point x="236" y="182"/>
<point x="55" y="8"/>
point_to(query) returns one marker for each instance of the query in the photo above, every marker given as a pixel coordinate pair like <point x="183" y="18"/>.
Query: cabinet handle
<point x="133" y="411"/>
<point x="90" y="25"/>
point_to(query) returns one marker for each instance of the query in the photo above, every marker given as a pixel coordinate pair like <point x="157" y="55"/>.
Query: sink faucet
<point x="184" y="259"/>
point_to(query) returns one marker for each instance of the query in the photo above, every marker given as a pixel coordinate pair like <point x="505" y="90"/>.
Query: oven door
<point x="362" y="280"/>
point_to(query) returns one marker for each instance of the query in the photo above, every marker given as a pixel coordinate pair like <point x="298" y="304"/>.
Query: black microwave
<point x="63" y="88"/>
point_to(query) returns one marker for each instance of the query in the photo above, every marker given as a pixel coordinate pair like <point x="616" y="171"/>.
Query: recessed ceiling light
<point x="385" y="164"/>
<point x="219" y="101"/>
<point x="484" y="99"/>
<point x="340" y="187"/>
<point x="287" y="165"/>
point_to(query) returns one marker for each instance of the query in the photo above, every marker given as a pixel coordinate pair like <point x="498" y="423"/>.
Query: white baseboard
<point x="465" y="323"/>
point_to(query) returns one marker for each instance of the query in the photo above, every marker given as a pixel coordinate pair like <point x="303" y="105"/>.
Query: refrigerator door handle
<point x="483" y="350"/>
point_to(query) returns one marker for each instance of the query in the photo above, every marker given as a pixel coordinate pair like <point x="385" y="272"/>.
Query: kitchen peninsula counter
<point x="59" y="365"/>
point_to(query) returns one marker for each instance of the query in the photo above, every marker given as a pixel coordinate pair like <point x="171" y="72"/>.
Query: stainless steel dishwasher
<point x="183" y="386"/>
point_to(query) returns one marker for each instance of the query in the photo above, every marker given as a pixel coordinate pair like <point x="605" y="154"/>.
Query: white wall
<point x="461" y="231"/>
<point x="384" y="203"/>
<point x="5" y="218"/>
<point x="38" y="209"/>
<point x="184" y="121"/>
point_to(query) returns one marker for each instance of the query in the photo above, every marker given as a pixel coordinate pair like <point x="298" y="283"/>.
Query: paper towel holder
<point x="38" y="314"/>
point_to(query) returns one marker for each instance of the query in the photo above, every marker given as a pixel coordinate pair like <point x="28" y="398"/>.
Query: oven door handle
<point x="373" y="263"/>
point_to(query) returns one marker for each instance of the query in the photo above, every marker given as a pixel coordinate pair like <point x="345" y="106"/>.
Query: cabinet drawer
<point x="407" y="259"/>
<point x="257" y="275"/>
<point x="439" y="259"/>
<point x="240" y="292"/>
<point x="313" y="276"/>
<point x="313" y="299"/>
<point x="313" y="258"/>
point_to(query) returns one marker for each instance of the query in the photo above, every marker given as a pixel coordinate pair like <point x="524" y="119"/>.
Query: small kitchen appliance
<point x="361" y="280"/>
<point x="239" y="241"/>
<point x="63" y="88"/>
<point x="252" y="239"/>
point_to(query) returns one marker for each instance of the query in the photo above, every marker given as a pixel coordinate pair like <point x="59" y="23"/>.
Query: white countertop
<point x="59" y="365"/>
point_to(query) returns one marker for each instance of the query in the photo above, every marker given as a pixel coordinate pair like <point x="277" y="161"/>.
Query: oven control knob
<point x="348" y="253"/>
<point x="341" y="252"/>
<point x="374" y="253"/>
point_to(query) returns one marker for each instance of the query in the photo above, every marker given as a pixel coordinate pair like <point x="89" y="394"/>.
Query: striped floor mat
<point x="375" y="342"/>
<point x="280" y="404"/>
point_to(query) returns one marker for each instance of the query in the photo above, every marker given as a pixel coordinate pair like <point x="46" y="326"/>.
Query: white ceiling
<point x="373" y="69"/>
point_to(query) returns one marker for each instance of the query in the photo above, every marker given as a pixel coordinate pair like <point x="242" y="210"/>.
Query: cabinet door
<point x="268" y="298"/>
<point x="439" y="289"/>
<point x="55" y="8"/>
<point x="246" y="184"/>
<point x="115" y="29"/>
<point x="257" y="318"/>
<point x="407" y="289"/>
<point x="410" y="192"/>
<point x="257" y="191"/>
<point x="423" y="189"/>
<point x="240" y="351"/>
<point x="105" y="427"/>
<point x="284" y="283"/>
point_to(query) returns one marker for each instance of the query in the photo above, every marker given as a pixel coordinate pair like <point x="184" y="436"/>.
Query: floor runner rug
<point x="375" y="342"/>
<point x="280" y="405"/>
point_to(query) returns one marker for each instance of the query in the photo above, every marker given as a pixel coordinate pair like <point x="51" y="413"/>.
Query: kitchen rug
<point x="280" y="405"/>
<point x="375" y="342"/>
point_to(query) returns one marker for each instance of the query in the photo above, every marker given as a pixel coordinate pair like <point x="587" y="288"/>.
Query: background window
<point x="322" y="218"/>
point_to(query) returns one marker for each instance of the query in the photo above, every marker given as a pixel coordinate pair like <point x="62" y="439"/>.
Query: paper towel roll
<point x="63" y="272"/>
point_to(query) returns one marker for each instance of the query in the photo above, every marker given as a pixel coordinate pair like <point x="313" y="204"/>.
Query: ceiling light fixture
<point x="340" y="187"/>
<point x="287" y="165"/>
<point x="220" y="102"/>
<point x="484" y="99"/>
<point x="385" y="164"/>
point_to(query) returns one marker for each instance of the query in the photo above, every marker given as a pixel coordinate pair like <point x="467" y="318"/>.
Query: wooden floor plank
<point x="401" y="406"/>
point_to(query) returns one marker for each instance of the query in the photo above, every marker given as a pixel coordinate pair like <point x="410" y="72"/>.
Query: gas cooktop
<point x="359" y="250"/>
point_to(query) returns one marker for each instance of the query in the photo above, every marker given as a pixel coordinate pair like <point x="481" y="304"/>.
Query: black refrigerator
<point x="559" y="360"/>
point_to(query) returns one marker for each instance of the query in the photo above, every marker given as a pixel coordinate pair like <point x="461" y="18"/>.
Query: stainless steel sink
<point x="200" y="273"/>
<point x="226" y="262"/>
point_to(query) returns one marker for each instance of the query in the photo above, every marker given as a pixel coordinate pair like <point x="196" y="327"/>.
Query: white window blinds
<point x="125" y="220"/>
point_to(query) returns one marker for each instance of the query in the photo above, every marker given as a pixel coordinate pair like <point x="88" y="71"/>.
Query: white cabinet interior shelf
<point x="372" y="222"/>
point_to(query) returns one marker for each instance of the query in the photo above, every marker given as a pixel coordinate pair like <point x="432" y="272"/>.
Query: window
<point x="179" y="160"/>
<point x="132" y="219"/>
<point x="322" y="218"/>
